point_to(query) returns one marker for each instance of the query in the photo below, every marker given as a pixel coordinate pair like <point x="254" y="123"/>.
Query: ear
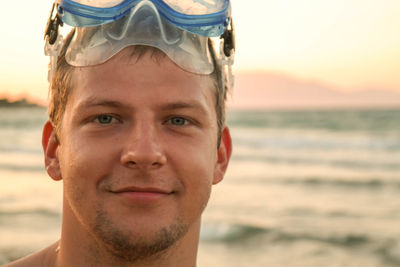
<point x="50" y="145"/>
<point x="223" y="156"/>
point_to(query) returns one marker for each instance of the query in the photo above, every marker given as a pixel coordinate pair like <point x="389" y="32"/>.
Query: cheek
<point x="84" y="163"/>
<point x="195" y="168"/>
<point x="86" y="153"/>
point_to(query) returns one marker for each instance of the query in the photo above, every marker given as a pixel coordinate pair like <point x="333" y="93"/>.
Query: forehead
<point x="137" y="79"/>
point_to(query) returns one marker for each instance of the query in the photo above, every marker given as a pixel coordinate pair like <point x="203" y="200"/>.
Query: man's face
<point x="138" y="151"/>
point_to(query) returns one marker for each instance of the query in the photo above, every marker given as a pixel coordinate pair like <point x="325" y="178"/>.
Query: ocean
<point x="304" y="188"/>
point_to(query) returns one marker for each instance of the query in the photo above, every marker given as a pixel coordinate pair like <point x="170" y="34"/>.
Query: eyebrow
<point x="93" y="102"/>
<point x="182" y="105"/>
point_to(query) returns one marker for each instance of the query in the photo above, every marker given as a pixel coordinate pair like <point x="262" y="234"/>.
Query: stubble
<point x="130" y="246"/>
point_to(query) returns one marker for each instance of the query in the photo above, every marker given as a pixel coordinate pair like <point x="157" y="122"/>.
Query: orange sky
<point x="350" y="45"/>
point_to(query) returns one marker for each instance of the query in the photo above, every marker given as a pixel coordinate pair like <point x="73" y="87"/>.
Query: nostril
<point x="142" y="155"/>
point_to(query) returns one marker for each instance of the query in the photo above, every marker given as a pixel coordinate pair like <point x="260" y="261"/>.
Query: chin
<point x="137" y="240"/>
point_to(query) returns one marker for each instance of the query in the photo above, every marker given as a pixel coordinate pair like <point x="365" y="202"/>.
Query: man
<point x="136" y="131"/>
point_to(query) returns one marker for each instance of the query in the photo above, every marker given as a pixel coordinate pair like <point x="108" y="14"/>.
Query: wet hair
<point x="62" y="84"/>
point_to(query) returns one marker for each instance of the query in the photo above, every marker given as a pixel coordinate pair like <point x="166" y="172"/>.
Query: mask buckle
<point x="229" y="39"/>
<point x="53" y="23"/>
<point x="53" y="42"/>
<point x="227" y="54"/>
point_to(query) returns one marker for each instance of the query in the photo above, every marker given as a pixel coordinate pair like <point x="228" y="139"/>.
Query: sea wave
<point x="311" y="140"/>
<point x="320" y="181"/>
<point x="346" y="164"/>
<point x="229" y="232"/>
<point x="29" y="211"/>
<point x="236" y="233"/>
<point x="21" y="150"/>
<point x="387" y="249"/>
<point x="334" y="120"/>
<point x="21" y="168"/>
<point x="364" y="183"/>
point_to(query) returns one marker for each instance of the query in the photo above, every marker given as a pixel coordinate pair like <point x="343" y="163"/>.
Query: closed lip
<point x="133" y="189"/>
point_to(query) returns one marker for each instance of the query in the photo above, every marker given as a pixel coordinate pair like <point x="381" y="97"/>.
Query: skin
<point x="138" y="156"/>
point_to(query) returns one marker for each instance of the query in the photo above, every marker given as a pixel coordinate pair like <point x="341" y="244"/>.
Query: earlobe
<point x="50" y="145"/>
<point x="224" y="155"/>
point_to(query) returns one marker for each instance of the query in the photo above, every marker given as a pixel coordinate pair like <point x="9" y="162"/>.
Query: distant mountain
<point x="19" y="103"/>
<point x="269" y="90"/>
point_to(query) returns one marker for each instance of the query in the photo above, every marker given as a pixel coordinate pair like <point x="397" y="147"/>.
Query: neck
<point x="78" y="247"/>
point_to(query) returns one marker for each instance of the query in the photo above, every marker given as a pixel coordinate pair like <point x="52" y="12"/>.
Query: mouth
<point x="143" y="194"/>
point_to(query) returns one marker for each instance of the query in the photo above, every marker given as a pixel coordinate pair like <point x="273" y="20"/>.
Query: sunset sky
<point x="350" y="45"/>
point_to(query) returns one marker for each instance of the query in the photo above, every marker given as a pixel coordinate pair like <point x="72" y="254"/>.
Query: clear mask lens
<point x="188" y="7"/>
<point x="142" y="26"/>
<point x="196" y="7"/>
<point x="99" y="3"/>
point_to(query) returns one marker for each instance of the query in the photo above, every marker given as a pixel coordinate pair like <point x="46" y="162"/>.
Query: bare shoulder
<point x="45" y="257"/>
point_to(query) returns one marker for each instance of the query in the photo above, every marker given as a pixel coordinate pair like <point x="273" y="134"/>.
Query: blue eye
<point x="104" y="119"/>
<point x="179" y="121"/>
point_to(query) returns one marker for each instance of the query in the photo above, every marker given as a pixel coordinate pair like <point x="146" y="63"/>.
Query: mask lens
<point x="143" y="26"/>
<point x="187" y="7"/>
<point x="98" y="3"/>
<point x="196" y="7"/>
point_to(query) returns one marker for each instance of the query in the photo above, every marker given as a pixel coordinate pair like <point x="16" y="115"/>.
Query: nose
<point x="143" y="149"/>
